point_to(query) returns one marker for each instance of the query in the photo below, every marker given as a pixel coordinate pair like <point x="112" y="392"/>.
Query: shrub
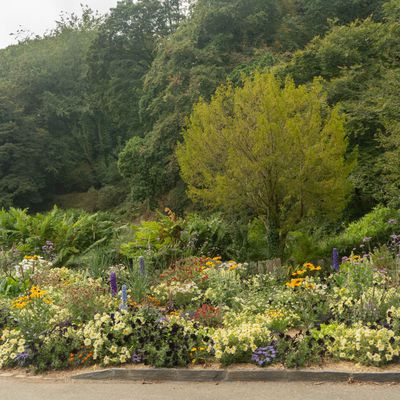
<point x="71" y="232"/>
<point x="378" y="225"/>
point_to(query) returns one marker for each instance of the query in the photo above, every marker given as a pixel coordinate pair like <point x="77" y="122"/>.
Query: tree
<point x="389" y="164"/>
<point x="359" y="63"/>
<point x="120" y="56"/>
<point x="277" y="153"/>
<point x="305" y="19"/>
<point x="22" y="157"/>
<point x="218" y="36"/>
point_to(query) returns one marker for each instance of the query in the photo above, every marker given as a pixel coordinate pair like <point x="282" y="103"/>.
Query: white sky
<point x="38" y="16"/>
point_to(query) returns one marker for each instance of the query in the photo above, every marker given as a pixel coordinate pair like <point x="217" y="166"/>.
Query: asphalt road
<point x="40" y="389"/>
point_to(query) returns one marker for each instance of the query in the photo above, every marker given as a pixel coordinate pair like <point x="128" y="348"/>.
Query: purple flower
<point x="22" y="356"/>
<point x="124" y="298"/>
<point x="264" y="355"/>
<point x="335" y="260"/>
<point x="49" y="249"/>
<point x="136" y="358"/>
<point x="367" y="239"/>
<point x="392" y="221"/>
<point x="113" y="284"/>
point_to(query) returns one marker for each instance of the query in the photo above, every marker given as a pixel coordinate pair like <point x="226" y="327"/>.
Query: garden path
<point x="48" y="389"/>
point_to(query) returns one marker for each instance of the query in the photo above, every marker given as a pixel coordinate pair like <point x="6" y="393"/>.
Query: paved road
<point x="39" y="389"/>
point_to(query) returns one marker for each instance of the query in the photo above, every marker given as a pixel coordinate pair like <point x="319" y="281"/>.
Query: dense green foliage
<point x="70" y="232"/>
<point x="91" y="113"/>
<point x="253" y="150"/>
<point x="360" y="65"/>
<point x="73" y="98"/>
<point x="262" y="128"/>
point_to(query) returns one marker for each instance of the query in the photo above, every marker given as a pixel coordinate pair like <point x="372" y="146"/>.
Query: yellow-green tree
<point x="278" y="153"/>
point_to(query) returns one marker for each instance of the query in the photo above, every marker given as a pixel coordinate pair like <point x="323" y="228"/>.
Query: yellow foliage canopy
<point x="279" y="152"/>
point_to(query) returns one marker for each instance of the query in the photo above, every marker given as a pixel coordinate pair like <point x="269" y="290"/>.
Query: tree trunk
<point x="275" y="241"/>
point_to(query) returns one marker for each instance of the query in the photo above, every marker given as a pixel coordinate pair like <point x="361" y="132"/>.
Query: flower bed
<point x="200" y="311"/>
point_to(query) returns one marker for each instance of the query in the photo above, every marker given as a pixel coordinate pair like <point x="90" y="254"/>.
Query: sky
<point x="38" y="16"/>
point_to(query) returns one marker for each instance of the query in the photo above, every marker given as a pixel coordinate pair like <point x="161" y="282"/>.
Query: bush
<point x="378" y="225"/>
<point x="372" y="230"/>
<point x="71" y="232"/>
<point x="170" y="238"/>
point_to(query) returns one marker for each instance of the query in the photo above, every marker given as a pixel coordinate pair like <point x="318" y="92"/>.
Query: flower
<point x="295" y="282"/>
<point x="335" y="259"/>
<point x="113" y="284"/>
<point x="264" y="355"/>
<point x="124" y="298"/>
<point x="136" y="358"/>
<point x="22" y="356"/>
<point x="106" y="360"/>
<point x="299" y="272"/>
<point x="355" y="258"/>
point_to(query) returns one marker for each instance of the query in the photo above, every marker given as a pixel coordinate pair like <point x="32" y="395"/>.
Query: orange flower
<point x="295" y="282"/>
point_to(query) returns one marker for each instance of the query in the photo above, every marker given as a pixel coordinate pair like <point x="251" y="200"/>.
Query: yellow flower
<point x="175" y="313"/>
<point x="275" y="314"/>
<point x="295" y="282"/>
<point x="21" y="302"/>
<point x="209" y="263"/>
<point x="315" y="268"/>
<point x="299" y="272"/>
<point x="310" y="286"/>
<point x="31" y="258"/>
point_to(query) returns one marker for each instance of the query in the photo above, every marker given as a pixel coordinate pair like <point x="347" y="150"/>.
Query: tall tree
<point x="276" y="153"/>
<point x="23" y="160"/>
<point x="191" y="63"/>
<point x="359" y="63"/>
<point x="305" y="19"/>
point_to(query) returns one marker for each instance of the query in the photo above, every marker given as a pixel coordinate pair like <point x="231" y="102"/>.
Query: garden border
<point x="226" y="375"/>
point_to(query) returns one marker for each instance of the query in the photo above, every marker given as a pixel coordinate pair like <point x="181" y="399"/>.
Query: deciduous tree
<point x="278" y="153"/>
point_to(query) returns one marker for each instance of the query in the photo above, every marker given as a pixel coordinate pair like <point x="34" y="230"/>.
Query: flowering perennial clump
<point x="264" y="355"/>
<point x="34" y="293"/>
<point x="200" y="311"/>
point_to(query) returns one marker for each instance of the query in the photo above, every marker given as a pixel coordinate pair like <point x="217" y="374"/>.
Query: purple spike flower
<point x="335" y="260"/>
<point x="142" y="268"/>
<point x="124" y="298"/>
<point x="113" y="284"/>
